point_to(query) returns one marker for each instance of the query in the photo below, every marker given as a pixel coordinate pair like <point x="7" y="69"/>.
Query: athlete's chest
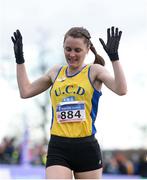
<point x="71" y="86"/>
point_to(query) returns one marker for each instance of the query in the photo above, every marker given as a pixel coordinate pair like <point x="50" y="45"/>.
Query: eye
<point x="78" y="50"/>
<point x="68" y="49"/>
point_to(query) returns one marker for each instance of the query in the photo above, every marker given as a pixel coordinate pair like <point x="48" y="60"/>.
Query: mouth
<point x="72" y="61"/>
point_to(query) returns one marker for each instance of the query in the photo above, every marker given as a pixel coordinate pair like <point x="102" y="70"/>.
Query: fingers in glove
<point x="108" y="34"/>
<point x="13" y="40"/>
<point x="19" y="34"/>
<point x="112" y="31"/>
<point x="103" y="44"/>
<point x="119" y="36"/>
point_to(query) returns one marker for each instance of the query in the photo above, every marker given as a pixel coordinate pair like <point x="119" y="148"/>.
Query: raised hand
<point x="111" y="47"/>
<point x="18" y="47"/>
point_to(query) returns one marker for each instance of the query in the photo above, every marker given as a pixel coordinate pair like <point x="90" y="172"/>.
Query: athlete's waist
<point x="73" y="139"/>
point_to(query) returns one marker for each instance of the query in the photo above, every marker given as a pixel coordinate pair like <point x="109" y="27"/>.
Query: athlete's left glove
<point x="18" y="47"/>
<point x="111" y="47"/>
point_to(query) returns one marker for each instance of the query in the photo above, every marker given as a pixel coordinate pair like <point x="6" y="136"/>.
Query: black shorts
<point x="78" y="154"/>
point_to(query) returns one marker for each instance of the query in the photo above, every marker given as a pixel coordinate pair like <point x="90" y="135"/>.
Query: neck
<point x="71" y="70"/>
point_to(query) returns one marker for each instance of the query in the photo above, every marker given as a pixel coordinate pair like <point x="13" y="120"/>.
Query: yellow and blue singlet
<point x="74" y="104"/>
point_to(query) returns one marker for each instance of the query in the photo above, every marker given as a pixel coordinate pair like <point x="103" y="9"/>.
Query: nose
<point x="72" y="54"/>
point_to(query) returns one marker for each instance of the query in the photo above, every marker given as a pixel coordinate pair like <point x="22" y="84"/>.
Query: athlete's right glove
<point x="111" y="47"/>
<point x="18" y="47"/>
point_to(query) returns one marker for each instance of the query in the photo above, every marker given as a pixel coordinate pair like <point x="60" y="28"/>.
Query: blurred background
<point x="25" y="124"/>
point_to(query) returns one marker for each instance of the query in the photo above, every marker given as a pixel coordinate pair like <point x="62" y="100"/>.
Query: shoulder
<point x="53" y="72"/>
<point x="56" y="68"/>
<point x="96" y="70"/>
<point x="99" y="73"/>
<point x="96" y="67"/>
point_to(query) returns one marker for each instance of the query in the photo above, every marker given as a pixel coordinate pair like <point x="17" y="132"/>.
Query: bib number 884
<point x="70" y="114"/>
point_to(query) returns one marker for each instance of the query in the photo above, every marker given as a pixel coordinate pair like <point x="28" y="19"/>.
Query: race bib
<point x="73" y="111"/>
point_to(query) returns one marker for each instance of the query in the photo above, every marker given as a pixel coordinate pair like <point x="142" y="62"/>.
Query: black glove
<point x="111" y="48"/>
<point x="18" y="47"/>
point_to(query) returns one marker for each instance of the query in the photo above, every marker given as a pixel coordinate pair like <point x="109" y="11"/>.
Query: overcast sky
<point x="119" y="117"/>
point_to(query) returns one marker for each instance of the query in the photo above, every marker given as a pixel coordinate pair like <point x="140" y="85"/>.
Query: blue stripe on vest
<point x="94" y="110"/>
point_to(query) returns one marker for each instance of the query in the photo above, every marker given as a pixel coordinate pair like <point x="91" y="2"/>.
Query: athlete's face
<point x="75" y="50"/>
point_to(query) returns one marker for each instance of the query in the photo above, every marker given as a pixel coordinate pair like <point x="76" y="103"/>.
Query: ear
<point x="88" y="49"/>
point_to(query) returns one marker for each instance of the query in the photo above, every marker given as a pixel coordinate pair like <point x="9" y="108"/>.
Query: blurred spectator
<point x="125" y="166"/>
<point x="2" y="150"/>
<point x="111" y="167"/>
<point x="142" y="169"/>
<point x="9" y="149"/>
<point x="12" y="153"/>
<point x="9" y="154"/>
<point x="38" y="154"/>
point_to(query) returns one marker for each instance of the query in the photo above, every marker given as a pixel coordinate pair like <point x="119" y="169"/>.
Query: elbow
<point x="24" y="95"/>
<point x="24" y="92"/>
<point x="122" y="92"/>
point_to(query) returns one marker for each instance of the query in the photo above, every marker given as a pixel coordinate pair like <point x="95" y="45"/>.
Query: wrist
<point x="113" y="56"/>
<point x="20" y="60"/>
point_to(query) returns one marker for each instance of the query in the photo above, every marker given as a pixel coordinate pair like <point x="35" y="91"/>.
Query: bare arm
<point x="120" y="86"/>
<point x="116" y="83"/>
<point x="28" y="89"/>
